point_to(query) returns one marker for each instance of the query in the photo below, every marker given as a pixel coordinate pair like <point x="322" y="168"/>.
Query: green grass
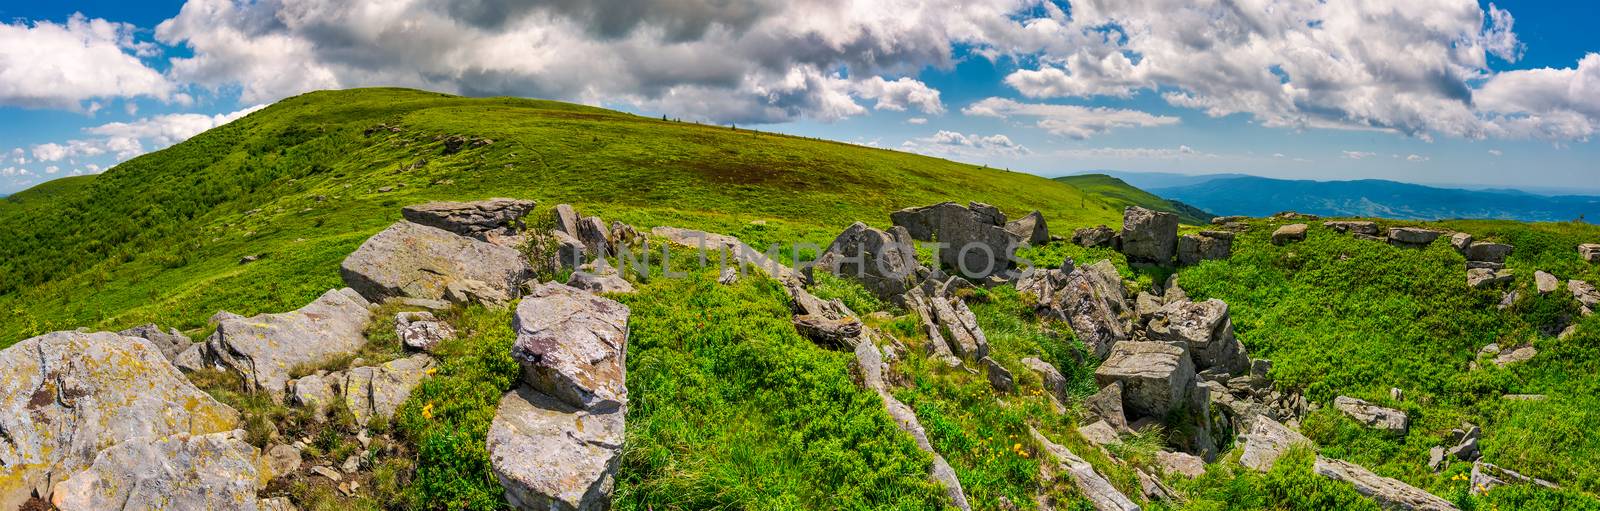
<point x="1118" y="194"/>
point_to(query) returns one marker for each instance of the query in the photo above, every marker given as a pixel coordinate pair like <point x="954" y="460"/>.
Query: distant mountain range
<point x="1237" y="194"/>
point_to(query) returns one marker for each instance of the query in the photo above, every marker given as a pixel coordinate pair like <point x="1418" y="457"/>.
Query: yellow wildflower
<point x="427" y="411"/>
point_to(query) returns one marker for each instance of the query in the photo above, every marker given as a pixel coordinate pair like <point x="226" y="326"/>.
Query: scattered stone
<point x="1483" y="278"/>
<point x="1091" y="485"/>
<point x="1100" y="433"/>
<point x="377" y="391"/>
<point x="421" y="331"/>
<point x="1030" y="229"/>
<point x="1206" y="329"/>
<point x="263" y="348"/>
<point x="1585" y="293"/>
<point x="1507" y="300"/>
<point x="1481" y="251"/>
<point x="483" y="220"/>
<point x="728" y="277"/>
<point x="418" y="261"/>
<point x="1545" y="282"/>
<point x="1289" y="234"/>
<point x="549" y="455"/>
<point x="1413" y="237"/>
<point x="1259" y="368"/>
<point x="999" y="377"/>
<point x="1589" y="252"/>
<point x="171" y="342"/>
<point x="283" y="459"/>
<point x="595" y="236"/>
<point x="607" y="282"/>
<point x="1373" y="416"/>
<point x="828" y="332"/>
<point x="327" y="472"/>
<point x="316" y="391"/>
<point x="883" y="262"/>
<point x="1355" y="227"/>
<point x="571" y="344"/>
<point x="1054" y="382"/>
<point x="1224" y="220"/>
<point x="1387" y="492"/>
<point x="470" y="291"/>
<point x="276" y="504"/>
<point x="1148" y="236"/>
<point x="1267" y="441"/>
<point x="1436" y="459"/>
<point x="1460" y="241"/>
<point x="1485" y="265"/>
<point x="1186" y="464"/>
<point x="1092" y="237"/>
<point x="351" y="464"/>
<point x="1153" y="489"/>
<point x="1487" y="476"/>
<point x="182" y="471"/>
<point x="1155" y="376"/>
<point x="1519" y="354"/>
<point x="1467" y="450"/>
<point x="1525" y="397"/>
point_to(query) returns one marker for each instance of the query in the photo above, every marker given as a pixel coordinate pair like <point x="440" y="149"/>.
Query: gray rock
<point x="283" y="459"/>
<point x="1485" y="265"/>
<point x="1267" y="441"/>
<point x="470" y="291"/>
<point x="1106" y="405"/>
<point x="171" y="342"/>
<point x="1100" y="433"/>
<point x="1483" y="278"/>
<point x="566" y="220"/>
<point x="276" y="504"/>
<point x="1153" y="489"/>
<point x="316" y="391"/>
<point x="1052" y="379"/>
<point x="264" y="348"/>
<point x="1467" y="450"/>
<point x="421" y="331"/>
<point x="569" y="252"/>
<point x="1373" y="416"/>
<point x="1461" y="241"/>
<point x="1207" y="245"/>
<point x="1545" y="282"/>
<point x="351" y="464"/>
<point x="1585" y="293"/>
<point x="1090" y="300"/>
<point x="377" y="391"/>
<point x="1030" y="229"/>
<point x="987" y="213"/>
<point x="551" y="456"/>
<point x="1149" y="236"/>
<point x="1522" y="353"/>
<point x="999" y="377"/>
<point x="1412" y="236"/>
<point x="192" y="358"/>
<point x="1185" y="464"/>
<point x="624" y="235"/>
<point x="68" y="395"/>
<point x="572" y="345"/>
<point x="1387" y="492"/>
<point x="829" y="332"/>
<point x="182" y="471"/>
<point x="1289" y="234"/>
<point x="1487" y="476"/>
<point x="883" y="262"/>
<point x="1355" y="227"/>
<point x="1098" y="236"/>
<point x="1260" y="368"/>
<point x="870" y="361"/>
<point x="595" y="236"/>
<point x="1589" y="252"/>
<point x="1436" y="458"/>
<point x="479" y="219"/>
<point x="1487" y="252"/>
<point x="974" y="244"/>
<point x="1155" y="376"/>
<point x="418" y="261"/>
<point x="1208" y="331"/>
<point x="965" y="336"/>
<point x="1091" y="485"/>
<point x="600" y="283"/>
<point x="328" y="472"/>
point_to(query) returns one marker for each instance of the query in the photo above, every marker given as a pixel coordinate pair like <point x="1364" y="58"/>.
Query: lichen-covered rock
<point x="216" y="471"/>
<point x="1289" y="234"/>
<point x="572" y="345"/>
<point x="1373" y="416"/>
<point x="414" y="260"/>
<point x="1387" y="492"/>
<point x="171" y="342"/>
<point x="1155" y="376"/>
<point x="1106" y="404"/>
<point x="1149" y="236"/>
<point x="1030" y="228"/>
<point x="1185" y="464"/>
<point x="316" y="391"/>
<point x="1208" y="245"/>
<point x="68" y="395"/>
<point x="264" y="348"/>
<point x="1267" y="441"/>
<point x="421" y="331"/>
<point x="1090" y="300"/>
<point x="883" y="262"/>
<point x="550" y="456"/>
<point x="1585" y="293"/>
<point x="1208" y="331"/>
<point x="377" y="391"/>
<point x="1460" y="241"/>
<point x="1487" y="476"/>
<point x="481" y="219"/>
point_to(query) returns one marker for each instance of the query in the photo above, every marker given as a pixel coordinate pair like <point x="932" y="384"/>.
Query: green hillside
<point x="158" y="238"/>
<point x="1120" y="194"/>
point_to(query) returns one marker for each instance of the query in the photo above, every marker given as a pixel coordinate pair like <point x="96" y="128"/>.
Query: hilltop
<point x="1120" y="193"/>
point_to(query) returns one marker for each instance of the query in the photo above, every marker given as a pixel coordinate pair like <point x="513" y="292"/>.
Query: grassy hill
<point x="1120" y="194"/>
<point x="158" y="238"/>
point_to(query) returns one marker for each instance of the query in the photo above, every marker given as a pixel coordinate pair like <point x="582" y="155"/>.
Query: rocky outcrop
<point x="1090" y="300"/>
<point x="69" y="395"/>
<point x="1412" y="237"/>
<point x="1353" y="227"/>
<point x="948" y="320"/>
<point x="1267" y="441"/>
<point x="883" y="262"/>
<point x="375" y="392"/>
<point x="414" y="260"/>
<point x="1206" y="329"/>
<point x="1387" y="492"/>
<point x="975" y="240"/>
<point x="316" y="391"/>
<point x="550" y="455"/>
<point x="1149" y="237"/>
<point x="421" y="331"/>
<point x="183" y="471"/>
<point x="1289" y="234"/>
<point x="1031" y="229"/>
<point x="572" y="345"/>
<point x="1589" y="252"/>
<point x="1373" y="416"/>
<point x="835" y="333"/>
<point x="1208" y="245"/>
<point x="1155" y="376"/>
<point x="870" y="362"/>
<point x="264" y="348"/>
<point x="487" y="220"/>
<point x="171" y="342"/>
<point x="1098" y="236"/>
<point x="1093" y="486"/>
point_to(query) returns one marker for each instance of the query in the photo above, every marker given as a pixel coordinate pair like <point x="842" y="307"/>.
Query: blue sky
<point x="1449" y="92"/>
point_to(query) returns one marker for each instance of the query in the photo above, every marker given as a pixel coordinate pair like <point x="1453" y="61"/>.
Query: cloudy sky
<point x="1429" y="91"/>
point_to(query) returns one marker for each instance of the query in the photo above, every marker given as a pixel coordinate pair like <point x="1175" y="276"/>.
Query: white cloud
<point x="13" y="172"/>
<point x="917" y="120"/>
<point x="899" y="94"/>
<point x="1558" y="104"/>
<point x="52" y="169"/>
<point x="1496" y="152"/>
<point x="50" y="65"/>
<point x="1071" y="121"/>
<point x="1136" y="153"/>
<point x="1416" y="158"/>
<point x="1358" y="155"/>
<point x="950" y="143"/>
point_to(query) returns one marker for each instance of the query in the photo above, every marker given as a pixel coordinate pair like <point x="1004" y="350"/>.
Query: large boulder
<point x="264" y="348"/>
<point x="1030" y="229"/>
<point x="375" y="392"/>
<point x="1267" y="441"/>
<point x="1193" y="248"/>
<point x="1414" y="237"/>
<point x="550" y="456"/>
<point x="884" y="262"/>
<point x="1481" y="251"/>
<point x="69" y="395"/>
<point x="1155" y="376"/>
<point x="1090" y="300"/>
<point x="1289" y="234"/>
<point x="1389" y="493"/>
<point x="1098" y="236"/>
<point x="1149" y="236"/>
<point x="171" y="342"/>
<point x="1373" y="416"/>
<point x="1208" y="331"/>
<point x="1545" y="282"/>
<point x="210" y="471"/>
<point x="975" y="240"/>
<point x="572" y="344"/>
<point x="484" y="220"/>
<point x="414" y="260"/>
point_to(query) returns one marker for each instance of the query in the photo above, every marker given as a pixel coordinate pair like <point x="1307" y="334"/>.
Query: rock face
<point x="884" y="262"/>
<point x="210" y="471"/>
<point x="572" y="345"/>
<point x="1099" y="236"/>
<point x="482" y="220"/>
<point x="1149" y="236"/>
<point x="1089" y="299"/>
<point x="1388" y="493"/>
<point x="68" y="395"/>
<point x="976" y="242"/>
<point x="1354" y="227"/>
<point x="552" y="456"/>
<point x="1155" y="376"/>
<point x="1091" y="484"/>
<point x="414" y="260"/>
<point x="264" y="348"/>
<point x="377" y="391"/>
<point x="1207" y="245"/>
<point x="1374" y="416"/>
<point x="1266" y="442"/>
<point x="171" y="342"/>
<point x="421" y="331"/>
<point x="1289" y="234"/>
<point x="1030" y="229"/>
<point x="1414" y="237"/>
<point x="1545" y="282"/>
<point x="1589" y="252"/>
<point x="1208" y="331"/>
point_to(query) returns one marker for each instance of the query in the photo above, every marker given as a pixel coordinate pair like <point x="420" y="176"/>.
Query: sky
<point x="1444" y="92"/>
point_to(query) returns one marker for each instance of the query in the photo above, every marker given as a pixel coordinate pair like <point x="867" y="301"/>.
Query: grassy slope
<point x="1119" y="194"/>
<point x="158" y="237"/>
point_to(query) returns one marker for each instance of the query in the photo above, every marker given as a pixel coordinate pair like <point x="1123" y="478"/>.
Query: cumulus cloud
<point x="1416" y="158"/>
<point x="950" y="143"/>
<point x="66" y="66"/>
<point x="1496" y="152"/>
<point x="1359" y="155"/>
<point x="1071" y="121"/>
<point x="917" y="120"/>
<point x="1560" y="104"/>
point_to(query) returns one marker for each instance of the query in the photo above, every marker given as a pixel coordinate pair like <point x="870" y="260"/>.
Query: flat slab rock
<point x="1090" y="483"/>
<point x="1387" y="492"/>
<point x="1267" y="441"/>
<point x="551" y="456"/>
<point x="476" y="219"/>
<point x="1373" y="416"/>
<point x="68" y="395"/>
<point x="572" y="344"/>
<point x="264" y="348"/>
<point x="417" y="261"/>
<point x="213" y="471"/>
